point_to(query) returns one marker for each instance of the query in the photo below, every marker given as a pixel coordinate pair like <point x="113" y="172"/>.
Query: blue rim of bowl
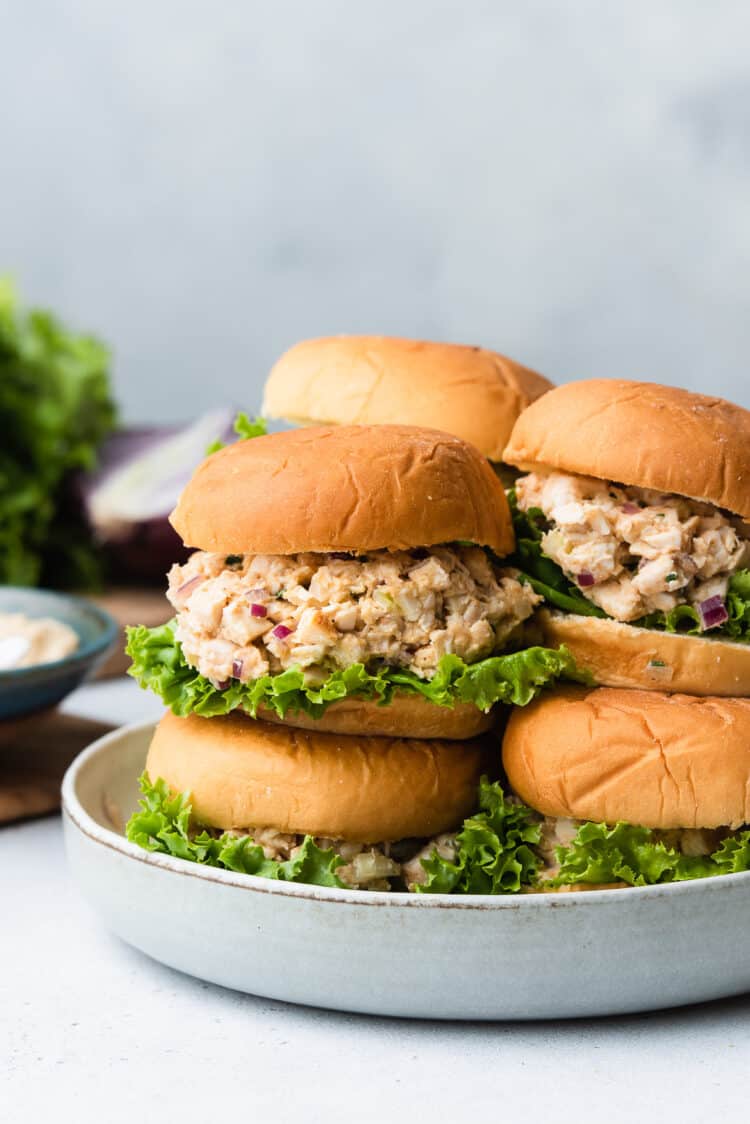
<point x="83" y="655"/>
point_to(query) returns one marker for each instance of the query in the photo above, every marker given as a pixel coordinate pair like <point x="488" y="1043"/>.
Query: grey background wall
<point x="204" y="184"/>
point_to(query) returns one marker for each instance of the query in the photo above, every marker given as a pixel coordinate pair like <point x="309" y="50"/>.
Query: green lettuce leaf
<point x="55" y="410"/>
<point x="542" y="574"/>
<point x="547" y="578"/>
<point x="495" y="850"/>
<point x="163" y="824"/>
<point x="625" y="853"/>
<point x="245" y="428"/>
<point x="159" y="665"/>
<point x="685" y="619"/>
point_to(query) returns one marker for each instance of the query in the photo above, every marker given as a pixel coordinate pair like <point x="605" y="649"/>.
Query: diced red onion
<point x="585" y="579"/>
<point x="281" y="632"/>
<point x="630" y="508"/>
<point x="237" y="669"/>
<point x="259" y="591"/>
<point x="223" y="684"/>
<point x="257" y="610"/>
<point x="712" y="612"/>
<point x="183" y="589"/>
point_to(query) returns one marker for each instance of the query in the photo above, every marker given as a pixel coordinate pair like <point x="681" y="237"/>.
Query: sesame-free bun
<point x="349" y="488"/>
<point x="243" y="773"/>
<point x="621" y="655"/>
<point x="657" y="760"/>
<point x="343" y="380"/>
<point x="405" y="716"/>
<point x="640" y="434"/>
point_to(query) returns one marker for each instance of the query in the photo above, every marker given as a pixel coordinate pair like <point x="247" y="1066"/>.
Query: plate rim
<point x="74" y="811"/>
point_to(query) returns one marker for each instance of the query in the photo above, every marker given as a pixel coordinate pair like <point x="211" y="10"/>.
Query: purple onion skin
<point x="147" y="554"/>
<point x="146" y="549"/>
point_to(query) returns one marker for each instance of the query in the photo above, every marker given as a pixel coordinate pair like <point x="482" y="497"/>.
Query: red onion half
<point x="712" y="612"/>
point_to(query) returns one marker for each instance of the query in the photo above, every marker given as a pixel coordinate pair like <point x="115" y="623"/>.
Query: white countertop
<point x="91" y="1030"/>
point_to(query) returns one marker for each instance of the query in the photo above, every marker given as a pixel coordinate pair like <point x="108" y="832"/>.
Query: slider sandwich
<point x="343" y="630"/>
<point x="303" y="806"/>
<point x="632" y="787"/>
<point x="632" y="521"/>
<point x="349" y="580"/>
<point x="343" y="380"/>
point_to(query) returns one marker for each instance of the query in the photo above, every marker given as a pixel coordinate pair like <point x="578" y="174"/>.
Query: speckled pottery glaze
<point x="530" y="956"/>
<point x="24" y="690"/>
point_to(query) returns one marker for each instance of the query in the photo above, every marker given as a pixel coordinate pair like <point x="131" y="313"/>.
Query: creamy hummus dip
<point x="25" y="641"/>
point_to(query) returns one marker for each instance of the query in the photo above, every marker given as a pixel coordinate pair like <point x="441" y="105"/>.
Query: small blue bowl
<point x="24" y="690"/>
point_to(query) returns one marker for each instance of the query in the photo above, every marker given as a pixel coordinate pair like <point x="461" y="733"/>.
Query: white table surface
<point x="91" y="1030"/>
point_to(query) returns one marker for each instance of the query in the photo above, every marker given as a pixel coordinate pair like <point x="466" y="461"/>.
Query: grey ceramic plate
<point x="531" y="956"/>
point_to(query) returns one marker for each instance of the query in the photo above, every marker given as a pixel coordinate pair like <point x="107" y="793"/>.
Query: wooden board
<point x="130" y="606"/>
<point x="34" y="754"/>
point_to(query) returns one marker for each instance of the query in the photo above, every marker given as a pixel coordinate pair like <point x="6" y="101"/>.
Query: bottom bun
<point x="243" y="773"/>
<point x="645" y="757"/>
<point x="621" y="655"/>
<point x="406" y="716"/>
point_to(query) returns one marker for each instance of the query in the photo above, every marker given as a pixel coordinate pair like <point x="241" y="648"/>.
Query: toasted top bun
<point x="657" y="760"/>
<point x="243" y="773"/>
<point x="623" y="655"/>
<point x="350" y="488"/>
<point x="641" y="434"/>
<point x="343" y="380"/>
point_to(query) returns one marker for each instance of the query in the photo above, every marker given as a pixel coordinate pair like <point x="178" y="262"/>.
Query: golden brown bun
<point x="243" y="773"/>
<point x="664" y="761"/>
<point x="643" y="434"/>
<point x="621" y="655"/>
<point x="406" y="716"/>
<point x="348" y="488"/>
<point x="345" y="380"/>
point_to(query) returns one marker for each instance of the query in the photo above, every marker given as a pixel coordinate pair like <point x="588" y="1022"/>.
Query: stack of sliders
<point x="632" y="521"/>
<point x="630" y="508"/>
<point x="345" y="634"/>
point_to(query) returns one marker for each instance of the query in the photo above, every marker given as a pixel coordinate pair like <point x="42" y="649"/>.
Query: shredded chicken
<point x="412" y="871"/>
<point x="244" y="616"/>
<point x="394" y="866"/>
<point x="633" y="551"/>
<point x="367" y="866"/>
<point x="691" y="841"/>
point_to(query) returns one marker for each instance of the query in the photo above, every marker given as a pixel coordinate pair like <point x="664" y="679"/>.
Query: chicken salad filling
<point x="504" y="847"/>
<point x="365" y="866"/>
<point x="245" y="616"/>
<point x="632" y="552"/>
